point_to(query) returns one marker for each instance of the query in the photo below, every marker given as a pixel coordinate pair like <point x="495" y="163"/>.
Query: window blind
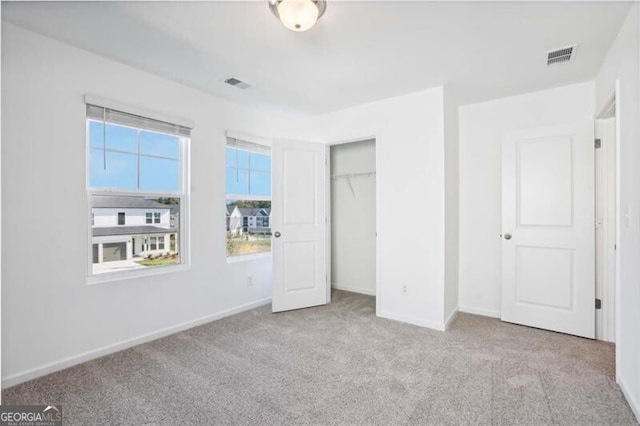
<point x="248" y="146"/>
<point x="109" y="115"/>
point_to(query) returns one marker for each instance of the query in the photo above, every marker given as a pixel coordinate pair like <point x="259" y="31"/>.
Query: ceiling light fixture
<point x="298" y="15"/>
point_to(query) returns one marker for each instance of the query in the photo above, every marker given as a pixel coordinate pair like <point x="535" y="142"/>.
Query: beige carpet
<point x="339" y="364"/>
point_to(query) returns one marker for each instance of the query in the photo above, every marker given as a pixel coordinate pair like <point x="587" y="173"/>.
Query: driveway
<point x="117" y="265"/>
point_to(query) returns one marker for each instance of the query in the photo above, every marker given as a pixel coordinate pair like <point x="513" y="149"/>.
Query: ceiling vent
<point x="232" y="81"/>
<point x="559" y="56"/>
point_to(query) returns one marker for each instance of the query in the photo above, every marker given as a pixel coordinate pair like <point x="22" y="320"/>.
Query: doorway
<point x="353" y="216"/>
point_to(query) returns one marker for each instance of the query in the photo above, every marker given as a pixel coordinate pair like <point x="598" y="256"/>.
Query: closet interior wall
<point x="353" y="217"/>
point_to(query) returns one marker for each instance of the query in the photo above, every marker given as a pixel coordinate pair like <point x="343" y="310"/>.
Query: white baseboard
<point x="451" y="318"/>
<point x="411" y="320"/>
<point x="52" y="367"/>
<point x="480" y="311"/>
<point x="353" y="289"/>
<point x="635" y="405"/>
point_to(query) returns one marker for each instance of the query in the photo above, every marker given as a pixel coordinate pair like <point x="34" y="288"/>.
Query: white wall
<point x="481" y="129"/>
<point x="353" y="218"/>
<point x="409" y="133"/>
<point x="623" y="63"/>
<point x="43" y="83"/>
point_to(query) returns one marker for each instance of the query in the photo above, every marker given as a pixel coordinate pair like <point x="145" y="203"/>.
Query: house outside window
<point x="248" y="199"/>
<point x="136" y="183"/>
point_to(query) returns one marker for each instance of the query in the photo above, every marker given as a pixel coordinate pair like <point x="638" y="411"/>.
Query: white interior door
<point x="299" y="216"/>
<point x="548" y="260"/>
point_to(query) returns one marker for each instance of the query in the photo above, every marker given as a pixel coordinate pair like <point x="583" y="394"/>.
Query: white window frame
<point x="183" y="193"/>
<point x="266" y="144"/>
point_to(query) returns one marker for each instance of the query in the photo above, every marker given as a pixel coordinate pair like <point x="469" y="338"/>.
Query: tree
<point x="169" y="200"/>
<point x="252" y="204"/>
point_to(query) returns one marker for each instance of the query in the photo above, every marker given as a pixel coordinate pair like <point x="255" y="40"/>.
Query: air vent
<point x="232" y="81"/>
<point x="559" y="56"/>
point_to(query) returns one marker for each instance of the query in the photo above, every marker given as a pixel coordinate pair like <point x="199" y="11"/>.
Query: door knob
<point x="277" y="234"/>
<point x="507" y="236"/>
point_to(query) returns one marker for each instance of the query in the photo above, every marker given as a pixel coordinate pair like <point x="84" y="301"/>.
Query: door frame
<point x="377" y="178"/>
<point x="609" y="285"/>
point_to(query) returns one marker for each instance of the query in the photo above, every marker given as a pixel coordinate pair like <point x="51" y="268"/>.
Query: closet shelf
<point x="353" y="175"/>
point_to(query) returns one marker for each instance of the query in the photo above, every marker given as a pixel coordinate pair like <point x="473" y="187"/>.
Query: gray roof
<point x="117" y="201"/>
<point x="244" y="211"/>
<point x="103" y="231"/>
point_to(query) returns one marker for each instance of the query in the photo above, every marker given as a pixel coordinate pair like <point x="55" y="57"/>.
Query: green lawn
<point x="160" y="261"/>
<point x="239" y="246"/>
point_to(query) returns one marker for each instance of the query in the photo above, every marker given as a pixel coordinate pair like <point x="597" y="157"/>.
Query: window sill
<point x="140" y="273"/>
<point x="249" y="257"/>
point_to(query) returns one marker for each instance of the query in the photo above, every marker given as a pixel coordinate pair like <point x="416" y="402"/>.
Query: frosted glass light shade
<point x="298" y="15"/>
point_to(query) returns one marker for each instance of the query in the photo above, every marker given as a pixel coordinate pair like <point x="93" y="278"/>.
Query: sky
<point x="158" y="158"/>
<point x="248" y="173"/>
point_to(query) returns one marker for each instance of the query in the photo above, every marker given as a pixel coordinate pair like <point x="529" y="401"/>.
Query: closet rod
<point x="351" y="175"/>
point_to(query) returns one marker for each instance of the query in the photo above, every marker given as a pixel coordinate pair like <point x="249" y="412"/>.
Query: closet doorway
<point x="353" y="216"/>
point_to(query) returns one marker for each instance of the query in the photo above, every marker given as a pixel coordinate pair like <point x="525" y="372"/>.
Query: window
<point x="248" y="189"/>
<point x="136" y="174"/>
<point x="152" y="217"/>
<point x="152" y="244"/>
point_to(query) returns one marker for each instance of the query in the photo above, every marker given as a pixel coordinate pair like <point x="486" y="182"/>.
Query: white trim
<point x="328" y="221"/>
<point x="249" y="138"/>
<point x="480" y="311"/>
<point x="413" y="321"/>
<point x="605" y="252"/>
<point x="142" y="112"/>
<point x="107" y="277"/>
<point x="379" y="234"/>
<point x="234" y="197"/>
<point x="353" y="289"/>
<point x="635" y="405"/>
<point x="451" y="318"/>
<point x="52" y="367"/>
<point x="354" y="140"/>
<point x="618" y="229"/>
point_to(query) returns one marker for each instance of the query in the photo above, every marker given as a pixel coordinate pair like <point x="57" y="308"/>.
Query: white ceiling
<point x="358" y="52"/>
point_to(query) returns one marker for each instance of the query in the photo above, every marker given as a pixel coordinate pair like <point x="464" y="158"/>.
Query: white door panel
<point x="299" y="225"/>
<point x="548" y="228"/>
